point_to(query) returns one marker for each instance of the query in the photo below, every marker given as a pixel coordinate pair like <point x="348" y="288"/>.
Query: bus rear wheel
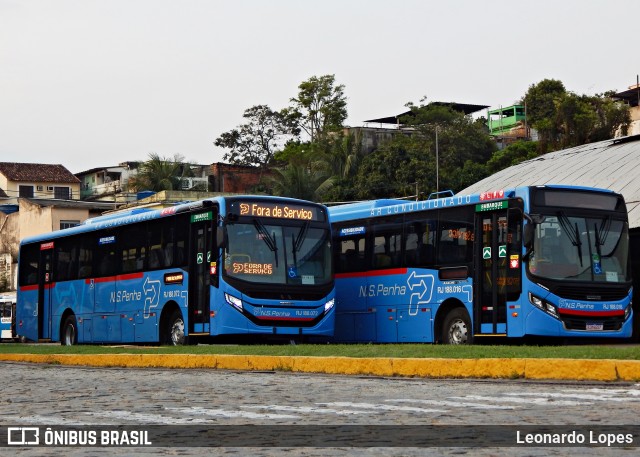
<point x="175" y="330"/>
<point x="457" y="327"/>
<point x="69" y="334"/>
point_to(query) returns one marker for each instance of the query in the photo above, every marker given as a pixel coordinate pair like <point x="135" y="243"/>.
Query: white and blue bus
<point x="253" y="265"/>
<point x="7" y="317"/>
<point x="550" y="261"/>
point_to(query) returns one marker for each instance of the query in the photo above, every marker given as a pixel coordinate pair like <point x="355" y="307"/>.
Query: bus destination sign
<point x="490" y="206"/>
<point x="279" y="211"/>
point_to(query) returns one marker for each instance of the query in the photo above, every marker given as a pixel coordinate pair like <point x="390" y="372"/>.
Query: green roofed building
<point x="508" y="121"/>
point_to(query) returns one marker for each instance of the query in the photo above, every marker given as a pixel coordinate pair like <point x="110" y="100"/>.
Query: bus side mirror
<point x="528" y="235"/>
<point x="219" y="237"/>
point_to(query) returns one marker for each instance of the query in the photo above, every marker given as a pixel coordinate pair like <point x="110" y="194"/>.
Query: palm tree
<point x="299" y="180"/>
<point x="160" y="173"/>
<point x="341" y="164"/>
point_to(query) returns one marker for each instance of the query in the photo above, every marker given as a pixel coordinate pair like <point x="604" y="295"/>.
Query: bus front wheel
<point x="69" y="334"/>
<point x="175" y="330"/>
<point x="457" y="327"/>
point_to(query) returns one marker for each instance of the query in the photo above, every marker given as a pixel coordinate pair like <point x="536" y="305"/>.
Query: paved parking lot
<point x="61" y="396"/>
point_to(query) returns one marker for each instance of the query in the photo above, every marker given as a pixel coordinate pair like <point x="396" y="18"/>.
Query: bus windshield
<point x="581" y="249"/>
<point x="272" y="253"/>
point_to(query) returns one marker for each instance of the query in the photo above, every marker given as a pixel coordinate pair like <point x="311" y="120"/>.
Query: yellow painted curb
<point x="564" y="369"/>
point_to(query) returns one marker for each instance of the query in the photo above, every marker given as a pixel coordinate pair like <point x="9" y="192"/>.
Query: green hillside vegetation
<point x="309" y="153"/>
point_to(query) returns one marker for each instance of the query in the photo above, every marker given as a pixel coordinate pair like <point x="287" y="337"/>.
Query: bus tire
<point x="69" y="333"/>
<point x="457" y="327"/>
<point x="175" y="330"/>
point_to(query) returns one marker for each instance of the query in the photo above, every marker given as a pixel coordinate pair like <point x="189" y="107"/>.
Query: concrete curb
<point x="559" y="369"/>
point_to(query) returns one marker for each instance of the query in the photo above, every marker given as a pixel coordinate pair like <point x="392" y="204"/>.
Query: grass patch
<point x="609" y="351"/>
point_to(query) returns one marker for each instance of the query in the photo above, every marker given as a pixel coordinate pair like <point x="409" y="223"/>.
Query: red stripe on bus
<point x="365" y="274"/>
<point x="50" y="285"/>
<point x="126" y="277"/>
<point x="105" y="279"/>
<point x="285" y="318"/>
<point x="591" y="313"/>
<point x="129" y="276"/>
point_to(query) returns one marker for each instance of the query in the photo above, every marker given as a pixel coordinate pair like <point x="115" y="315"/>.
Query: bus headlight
<point x="328" y="305"/>
<point x="627" y="311"/>
<point x="233" y="301"/>
<point x="535" y="301"/>
<point x="543" y="305"/>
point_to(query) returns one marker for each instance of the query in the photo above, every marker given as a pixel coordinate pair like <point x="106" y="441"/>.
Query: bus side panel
<point x="403" y="299"/>
<point x="74" y="295"/>
<point x="355" y="320"/>
<point x="385" y="306"/>
<point x="415" y="324"/>
<point x="130" y="299"/>
<point x="27" y="312"/>
<point x="142" y="299"/>
<point x="516" y="317"/>
<point x="139" y="297"/>
<point x="85" y="313"/>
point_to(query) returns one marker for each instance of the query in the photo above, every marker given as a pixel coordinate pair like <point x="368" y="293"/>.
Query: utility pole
<point x="437" y="163"/>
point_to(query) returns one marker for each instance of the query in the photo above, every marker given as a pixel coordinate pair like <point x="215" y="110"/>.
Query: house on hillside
<point x="36" y="180"/>
<point x="36" y="216"/>
<point x="117" y="184"/>
<point x="107" y="183"/>
<point x="631" y="97"/>
<point x="34" y="199"/>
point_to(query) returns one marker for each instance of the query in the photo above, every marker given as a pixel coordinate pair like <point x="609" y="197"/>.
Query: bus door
<point x="45" y="283"/>
<point x="202" y="255"/>
<point x="498" y="266"/>
<point x="490" y="292"/>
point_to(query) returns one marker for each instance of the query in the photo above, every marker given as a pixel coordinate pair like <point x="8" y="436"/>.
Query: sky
<point x="93" y="83"/>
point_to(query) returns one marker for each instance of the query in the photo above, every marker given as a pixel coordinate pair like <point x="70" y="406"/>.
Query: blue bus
<point x="240" y="265"/>
<point x="550" y="261"/>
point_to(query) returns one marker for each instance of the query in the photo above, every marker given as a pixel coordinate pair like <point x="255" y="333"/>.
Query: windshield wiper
<point x="296" y="242"/>
<point x="269" y="240"/>
<point x="605" y="228"/>
<point x="574" y="236"/>
<point x="302" y="235"/>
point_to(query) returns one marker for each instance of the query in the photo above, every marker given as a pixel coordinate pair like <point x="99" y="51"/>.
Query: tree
<point x="255" y="142"/>
<point x="409" y="162"/>
<point x="575" y="119"/>
<point x="540" y="101"/>
<point x="299" y="179"/>
<point x="321" y="106"/>
<point x="160" y="173"/>
<point x="612" y="116"/>
<point x="565" y="119"/>
<point x="393" y="169"/>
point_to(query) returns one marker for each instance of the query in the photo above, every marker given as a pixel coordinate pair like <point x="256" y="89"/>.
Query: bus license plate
<point x="595" y="326"/>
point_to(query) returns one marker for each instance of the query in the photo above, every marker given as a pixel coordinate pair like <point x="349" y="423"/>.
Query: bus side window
<point x="455" y="246"/>
<point x="419" y="250"/>
<point x="386" y="249"/>
<point x="28" y="272"/>
<point x="64" y="262"/>
<point x="85" y="258"/>
<point x="156" y="257"/>
<point x="107" y="264"/>
<point x="350" y="256"/>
